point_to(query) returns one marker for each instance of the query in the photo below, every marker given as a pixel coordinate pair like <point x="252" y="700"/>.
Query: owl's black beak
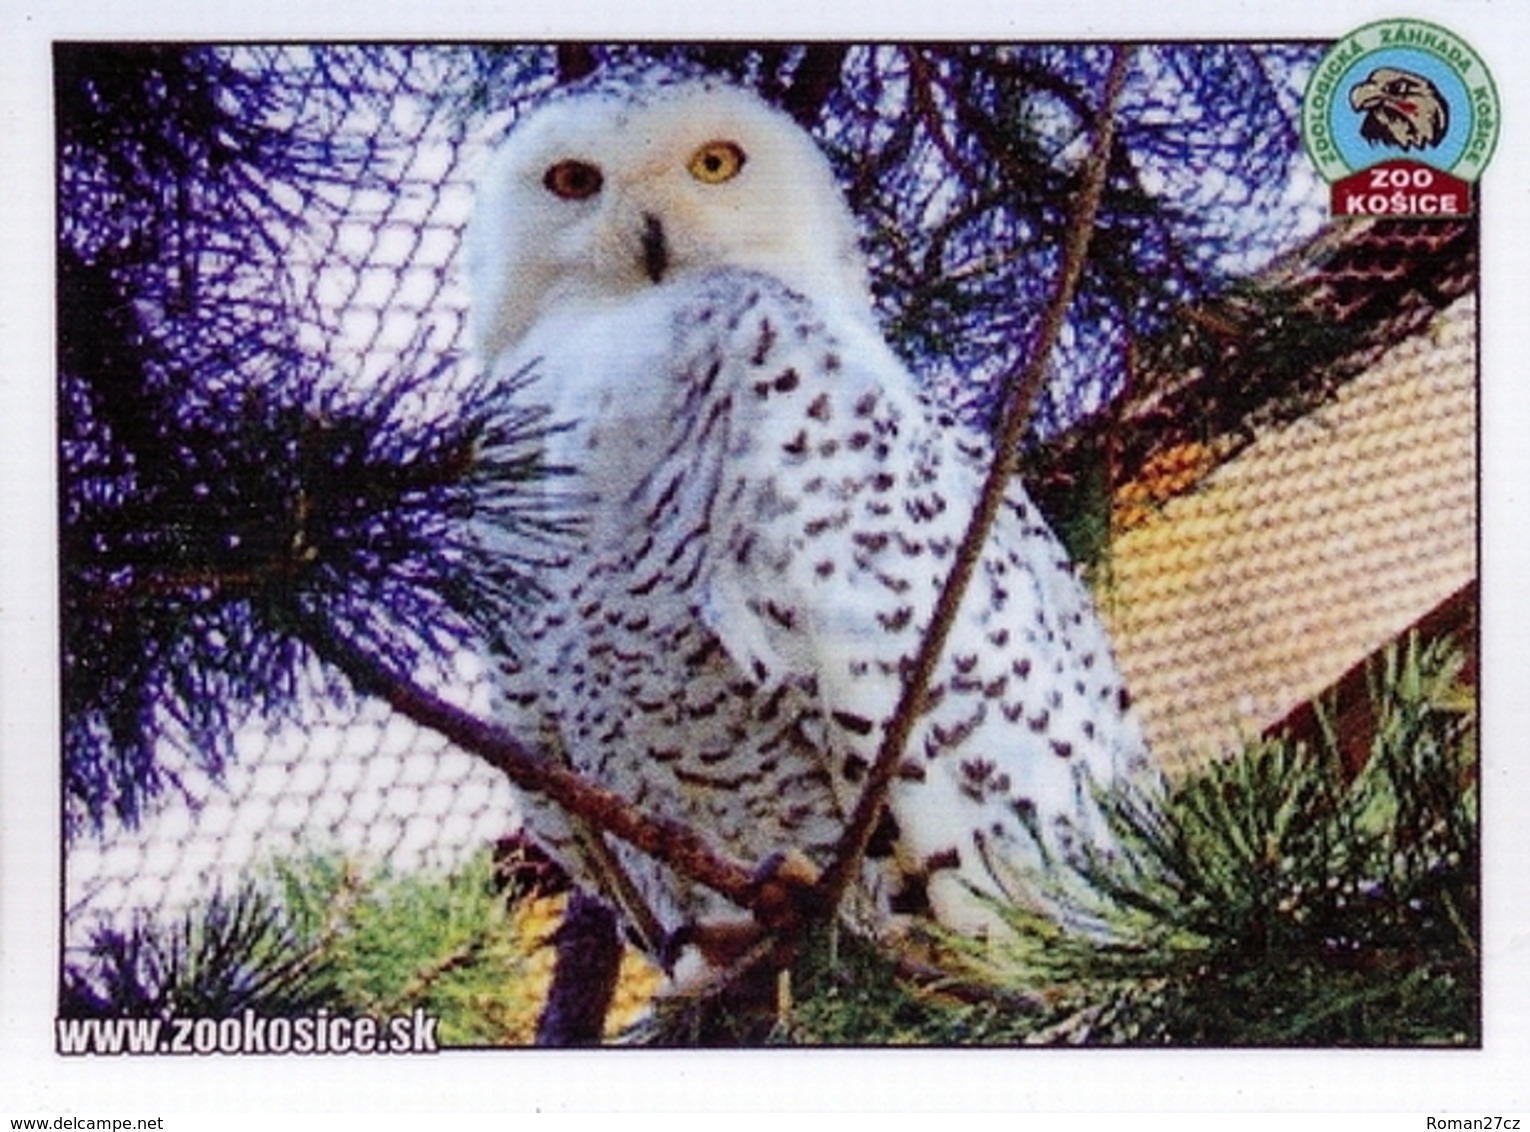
<point x="655" y="247"/>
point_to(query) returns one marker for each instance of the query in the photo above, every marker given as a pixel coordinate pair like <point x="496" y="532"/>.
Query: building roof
<point x="1318" y="543"/>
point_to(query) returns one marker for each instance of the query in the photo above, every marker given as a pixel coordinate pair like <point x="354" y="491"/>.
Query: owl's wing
<point x="835" y="502"/>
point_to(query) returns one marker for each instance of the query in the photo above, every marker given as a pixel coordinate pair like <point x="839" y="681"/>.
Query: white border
<point x="34" y="1082"/>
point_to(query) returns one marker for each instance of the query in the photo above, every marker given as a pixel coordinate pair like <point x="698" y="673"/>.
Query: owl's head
<point x="598" y="196"/>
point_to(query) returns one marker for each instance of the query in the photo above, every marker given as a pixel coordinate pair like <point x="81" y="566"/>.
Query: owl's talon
<point x="784" y="891"/>
<point x="782" y="896"/>
<point x="695" y="950"/>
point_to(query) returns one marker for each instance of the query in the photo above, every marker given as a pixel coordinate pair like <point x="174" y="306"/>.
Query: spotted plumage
<point x="769" y="509"/>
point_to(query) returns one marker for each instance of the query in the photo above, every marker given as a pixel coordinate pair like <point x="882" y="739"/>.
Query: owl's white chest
<point x="601" y="369"/>
<point x="631" y="676"/>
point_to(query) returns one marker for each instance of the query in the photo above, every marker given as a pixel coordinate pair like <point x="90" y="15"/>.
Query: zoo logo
<point x="1400" y="117"/>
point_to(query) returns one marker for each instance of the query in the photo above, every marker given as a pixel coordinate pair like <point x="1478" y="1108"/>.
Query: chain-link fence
<point x="356" y="213"/>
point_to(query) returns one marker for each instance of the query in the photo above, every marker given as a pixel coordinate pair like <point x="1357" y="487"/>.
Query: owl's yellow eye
<point x="716" y="162"/>
<point x="573" y="179"/>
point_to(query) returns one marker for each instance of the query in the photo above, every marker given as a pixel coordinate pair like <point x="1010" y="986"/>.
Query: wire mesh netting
<point x="264" y="346"/>
<point x="337" y="253"/>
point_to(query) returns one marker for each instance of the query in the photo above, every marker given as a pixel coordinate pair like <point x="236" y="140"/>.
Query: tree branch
<point x="1024" y="383"/>
<point x="575" y="61"/>
<point x="584" y="977"/>
<point x="922" y="94"/>
<point x="813" y="81"/>
<point x="676" y="845"/>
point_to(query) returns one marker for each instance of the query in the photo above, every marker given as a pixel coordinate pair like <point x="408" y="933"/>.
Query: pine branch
<point x="576" y="60"/>
<point x="1283" y="902"/>
<point x="817" y="76"/>
<point x="229" y="954"/>
<point x="1024" y="385"/>
<point x="676" y="845"/>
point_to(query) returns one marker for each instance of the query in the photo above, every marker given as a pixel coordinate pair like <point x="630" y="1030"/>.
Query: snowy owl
<point x="769" y="509"/>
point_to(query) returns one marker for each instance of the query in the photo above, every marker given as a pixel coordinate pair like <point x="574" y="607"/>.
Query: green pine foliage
<point x="323" y="933"/>
<point x="1271" y="902"/>
<point x="231" y="954"/>
<point x="842" y="990"/>
<point x="451" y="945"/>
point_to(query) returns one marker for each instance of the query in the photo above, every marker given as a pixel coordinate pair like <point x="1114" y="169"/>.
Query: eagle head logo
<point x="1401" y="109"/>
